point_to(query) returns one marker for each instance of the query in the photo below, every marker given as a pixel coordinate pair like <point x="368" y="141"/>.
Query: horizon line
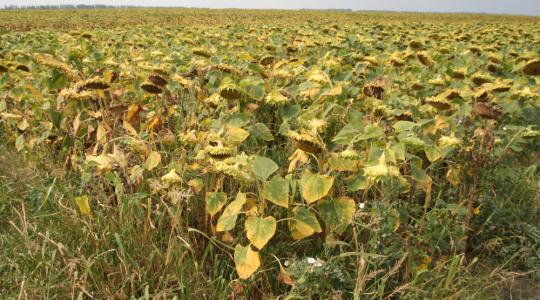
<point x="82" y="6"/>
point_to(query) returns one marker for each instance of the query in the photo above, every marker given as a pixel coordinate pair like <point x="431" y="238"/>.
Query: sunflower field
<point x="236" y="154"/>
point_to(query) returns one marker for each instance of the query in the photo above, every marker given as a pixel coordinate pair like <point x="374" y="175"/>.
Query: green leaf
<point x="400" y="126"/>
<point x="227" y="220"/>
<point x="262" y="167"/>
<point x="346" y="134"/>
<point x="260" y="230"/>
<point x="215" y="201"/>
<point x="261" y="132"/>
<point x="337" y="213"/>
<point x="370" y="132"/>
<point x="358" y="182"/>
<point x="277" y="191"/>
<point x="246" y="260"/>
<point x="57" y="81"/>
<point x="432" y="152"/>
<point x="304" y="223"/>
<point x="315" y="186"/>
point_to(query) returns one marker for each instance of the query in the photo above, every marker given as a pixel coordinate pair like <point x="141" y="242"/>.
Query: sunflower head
<point x="486" y="111"/>
<point x="306" y="142"/>
<point x="158" y="80"/>
<point x="277" y="98"/>
<point x="373" y="90"/>
<point x="202" y="52"/>
<point x="219" y="152"/>
<point x="267" y="60"/>
<point x="231" y="91"/>
<point x="95" y="83"/>
<point x="151" y="88"/>
<point x="532" y="68"/>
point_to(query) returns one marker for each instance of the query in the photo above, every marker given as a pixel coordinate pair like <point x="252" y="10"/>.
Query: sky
<point x="523" y="7"/>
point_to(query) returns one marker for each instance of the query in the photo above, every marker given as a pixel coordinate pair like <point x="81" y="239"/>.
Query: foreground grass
<point x="146" y="249"/>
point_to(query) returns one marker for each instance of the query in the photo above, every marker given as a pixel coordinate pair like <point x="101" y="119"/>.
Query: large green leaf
<point x="262" y="167"/>
<point x="277" y="191"/>
<point x="337" y="213"/>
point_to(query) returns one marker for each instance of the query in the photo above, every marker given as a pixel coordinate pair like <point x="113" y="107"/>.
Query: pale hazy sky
<point x="527" y="7"/>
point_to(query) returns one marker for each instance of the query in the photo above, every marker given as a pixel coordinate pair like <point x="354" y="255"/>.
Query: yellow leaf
<point x="101" y="134"/>
<point x="227" y="220"/>
<point x="247" y="261"/>
<point x="153" y="160"/>
<point x="315" y="186"/>
<point x="237" y="135"/>
<point x="84" y="205"/>
<point x="171" y="177"/>
<point x="260" y="230"/>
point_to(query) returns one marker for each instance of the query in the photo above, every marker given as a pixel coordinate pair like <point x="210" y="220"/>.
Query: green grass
<point x="143" y="248"/>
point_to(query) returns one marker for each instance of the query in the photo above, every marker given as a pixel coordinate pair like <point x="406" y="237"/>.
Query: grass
<point x="145" y="248"/>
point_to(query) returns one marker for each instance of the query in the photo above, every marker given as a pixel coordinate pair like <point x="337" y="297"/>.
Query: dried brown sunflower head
<point x="157" y="79"/>
<point x="532" y="67"/>
<point x="95" y="83"/>
<point x="373" y="90"/>
<point x="267" y="60"/>
<point x="231" y="91"/>
<point x="150" y="88"/>
<point x="306" y="142"/>
<point x="486" y="111"/>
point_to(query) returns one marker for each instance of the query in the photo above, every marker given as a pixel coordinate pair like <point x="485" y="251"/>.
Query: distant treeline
<point x="86" y="6"/>
<point x="66" y="6"/>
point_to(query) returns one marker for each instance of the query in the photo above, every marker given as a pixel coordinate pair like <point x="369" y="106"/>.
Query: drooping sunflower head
<point x="158" y="80"/>
<point x="306" y="142"/>
<point x="267" y="60"/>
<point x="425" y="59"/>
<point x="439" y="103"/>
<point x="479" y="78"/>
<point x="202" y="52"/>
<point x="532" y="68"/>
<point x="231" y="91"/>
<point x="95" y="83"/>
<point x="219" y="152"/>
<point x="374" y="90"/>
<point x="225" y="68"/>
<point x="151" y="88"/>
<point x="486" y="111"/>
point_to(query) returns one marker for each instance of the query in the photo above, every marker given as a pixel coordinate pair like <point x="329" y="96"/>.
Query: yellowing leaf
<point x="303" y="224"/>
<point x="337" y="213"/>
<point x="277" y="191"/>
<point x="227" y="220"/>
<point x="196" y="185"/>
<point x="153" y="160"/>
<point x="83" y="204"/>
<point x="315" y="186"/>
<point x="171" y="177"/>
<point x="23" y="125"/>
<point x="247" y="261"/>
<point x="215" y="201"/>
<point x="259" y="231"/>
<point x="236" y="135"/>
<point x="101" y="134"/>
